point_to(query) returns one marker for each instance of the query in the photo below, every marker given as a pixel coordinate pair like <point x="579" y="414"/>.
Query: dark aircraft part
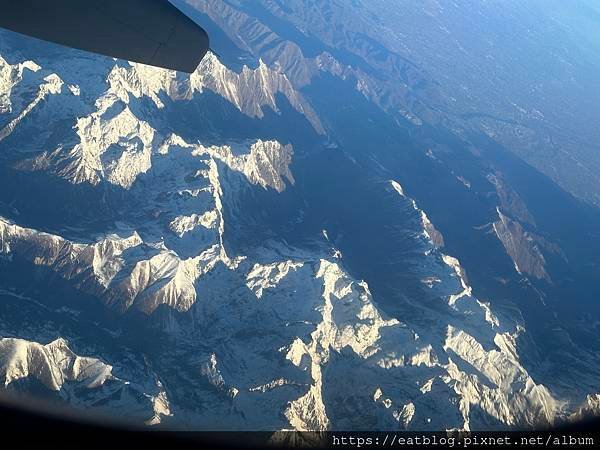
<point x="151" y="32"/>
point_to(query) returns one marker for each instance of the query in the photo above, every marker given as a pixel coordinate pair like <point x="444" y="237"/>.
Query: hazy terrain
<point x="353" y="215"/>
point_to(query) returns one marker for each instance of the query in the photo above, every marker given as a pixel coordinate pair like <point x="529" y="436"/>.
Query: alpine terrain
<point x="354" y="215"/>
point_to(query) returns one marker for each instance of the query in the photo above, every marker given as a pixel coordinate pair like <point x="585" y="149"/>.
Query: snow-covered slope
<point x="81" y="381"/>
<point x="127" y="271"/>
<point x="111" y="142"/>
<point x="53" y="364"/>
<point x="330" y="326"/>
<point x="278" y="333"/>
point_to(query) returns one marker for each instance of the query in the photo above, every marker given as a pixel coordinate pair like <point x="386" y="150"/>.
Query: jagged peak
<point x="10" y="76"/>
<point x="53" y="364"/>
<point x="265" y="164"/>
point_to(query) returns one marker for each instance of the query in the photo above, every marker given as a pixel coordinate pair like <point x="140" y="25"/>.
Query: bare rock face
<point x="522" y="247"/>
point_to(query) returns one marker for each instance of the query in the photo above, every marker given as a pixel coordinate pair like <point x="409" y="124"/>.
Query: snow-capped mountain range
<point x="209" y="251"/>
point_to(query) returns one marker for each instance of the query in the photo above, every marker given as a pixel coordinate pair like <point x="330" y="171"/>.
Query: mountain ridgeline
<point x="326" y="226"/>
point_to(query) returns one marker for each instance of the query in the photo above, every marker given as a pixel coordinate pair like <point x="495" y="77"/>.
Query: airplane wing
<point x="151" y="32"/>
